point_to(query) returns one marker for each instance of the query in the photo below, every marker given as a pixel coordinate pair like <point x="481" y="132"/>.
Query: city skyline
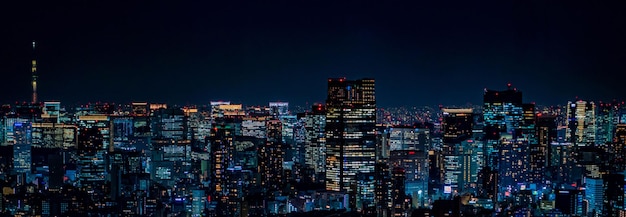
<point x="344" y="157"/>
<point x="428" y="53"/>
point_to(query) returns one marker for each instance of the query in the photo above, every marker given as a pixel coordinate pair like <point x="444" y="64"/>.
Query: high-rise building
<point x="315" y="140"/>
<point x="22" y="147"/>
<point x="605" y="195"/>
<point x="540" y="152"/>
<point x="398" y="195"/>
<point x="237" y="187"/>
<point x="581" y="123"/>
<point x="457" y="127"/>
<point x="271" y="158"/>
<point x="415" y="165"/>
<point x="502" y="114"/>
<point x="91" y="158"/>
<point x="350" y="132"/>
<point x="509" y="131"/>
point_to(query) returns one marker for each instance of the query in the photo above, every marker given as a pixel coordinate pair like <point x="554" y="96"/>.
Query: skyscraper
<point x="540" y="152"/>
<point x="315" y="140"/>
<point x="350" y="131"/>
<point x="22" y="147"/>
<point x="502" y="113"/>
<point x="457" y="127"/>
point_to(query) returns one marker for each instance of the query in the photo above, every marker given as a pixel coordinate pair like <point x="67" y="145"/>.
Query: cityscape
<point x="344" y="157"/>
<point x="343" y="108"/>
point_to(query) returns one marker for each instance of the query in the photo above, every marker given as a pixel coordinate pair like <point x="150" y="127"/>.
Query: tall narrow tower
<point x="34" y="74"/>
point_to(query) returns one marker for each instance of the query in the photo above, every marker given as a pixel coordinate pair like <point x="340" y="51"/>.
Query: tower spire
<point x="34" y="74"/>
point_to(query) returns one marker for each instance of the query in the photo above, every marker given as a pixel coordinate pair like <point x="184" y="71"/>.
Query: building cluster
<point x="505" y="157"/>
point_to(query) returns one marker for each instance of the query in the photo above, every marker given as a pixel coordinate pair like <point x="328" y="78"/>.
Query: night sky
<point x="420" y="53"/>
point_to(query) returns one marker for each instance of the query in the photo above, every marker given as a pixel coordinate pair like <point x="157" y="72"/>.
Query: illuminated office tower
<point x="315" y="140"/>
<point x="471" y="162"/>
<point x="515" y="150"/>
<point x="457" y="127"/>
<point x="94" y="139"/>
<point x="606" y="120"/>
<point x="594" y="194"/>
<point x="90" y="152"/>
<point x="540" y="151"/>
<point x="280" y="110"/>
<point x="271" y="158"/>
<point x="221" y="141"/>
<point x="502" y="114"/>
<point x="513" y="162"/>
<point x="581" y="123"/>
<point x="22" y="147"/>
<point x="527" y="131"/>
<point x="503" y="109"/>
<point x="605" y="195"/>
<point x="350" y="132"/>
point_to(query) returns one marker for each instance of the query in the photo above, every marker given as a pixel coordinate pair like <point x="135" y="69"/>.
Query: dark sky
<point x="419" y="52"/>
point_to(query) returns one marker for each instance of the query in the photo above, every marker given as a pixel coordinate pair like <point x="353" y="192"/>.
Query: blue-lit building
<point x="457" y="127"/>
<point x="22" y="147"/>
